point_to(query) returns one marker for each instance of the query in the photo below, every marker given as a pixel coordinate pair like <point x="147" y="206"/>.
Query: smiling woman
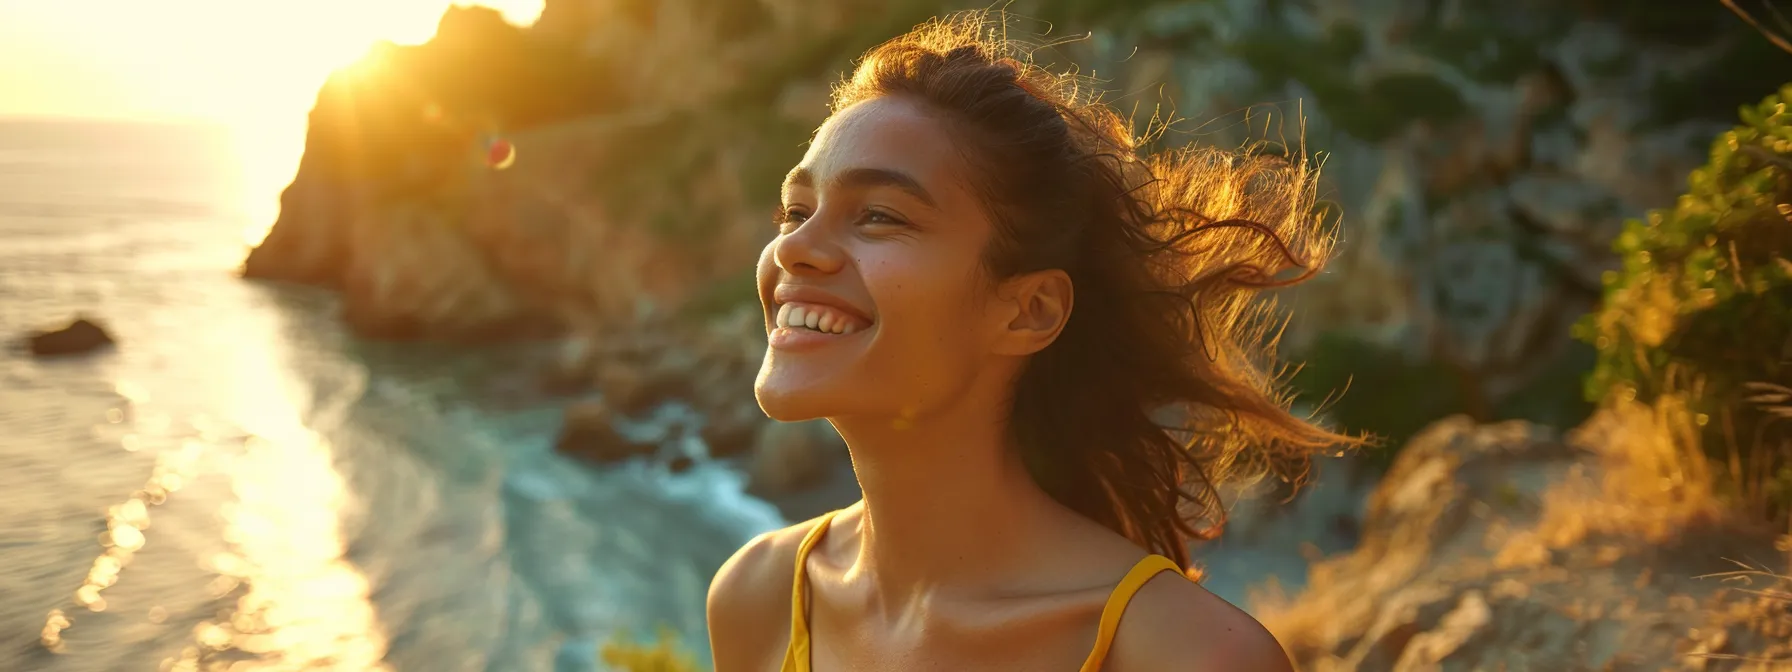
<point x="994" y="296"/>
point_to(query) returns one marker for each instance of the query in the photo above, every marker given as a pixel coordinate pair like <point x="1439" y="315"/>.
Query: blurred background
<point x="404" y="335"/>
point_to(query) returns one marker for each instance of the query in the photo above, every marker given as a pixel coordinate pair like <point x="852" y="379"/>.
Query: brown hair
<point x="1166" y="253"/>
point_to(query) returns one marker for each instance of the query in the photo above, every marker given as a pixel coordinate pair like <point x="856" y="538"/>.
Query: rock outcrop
<point x="394" y="190"/>
<point x="648" y="145"/>
<point x="80" y="337"/>
<point x="589" y="432"/>
<point x="687" y="396"/>
<point x="1507" y="546"/>
<point x="1482" y="158"/>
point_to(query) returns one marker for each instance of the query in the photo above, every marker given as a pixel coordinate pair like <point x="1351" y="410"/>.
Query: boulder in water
<point x="791" y="456"/>
<point x="569" y="371"/>
<point x="731" y="431"/>
<point x="587" y="433"/>
<point x="635" y="387"/>
<point x="80" y="337"/>
<point x="625" y="387"/>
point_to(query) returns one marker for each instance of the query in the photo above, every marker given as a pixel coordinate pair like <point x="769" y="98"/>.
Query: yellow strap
<point x="796" y="656"/>
<point x="1146" y="568"/>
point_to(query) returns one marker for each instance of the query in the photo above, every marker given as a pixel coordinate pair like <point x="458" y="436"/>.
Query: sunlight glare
<point x="253" y="67"/>
<point x="302" y="604"/>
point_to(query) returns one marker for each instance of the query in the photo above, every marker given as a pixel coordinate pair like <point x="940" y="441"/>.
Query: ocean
<point x="240" y="485"/>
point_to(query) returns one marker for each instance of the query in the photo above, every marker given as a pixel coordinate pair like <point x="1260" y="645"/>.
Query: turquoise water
<point x="241" y="486"/>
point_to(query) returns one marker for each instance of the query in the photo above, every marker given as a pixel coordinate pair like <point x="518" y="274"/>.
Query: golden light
<point x="254" y="67"/>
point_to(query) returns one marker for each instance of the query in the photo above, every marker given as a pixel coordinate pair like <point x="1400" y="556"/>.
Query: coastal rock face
<point x="649" y="142"/>
<point x="309" y="242"/>
<point x="736" y="39"/>
<point x="1506" y="546"/>
<point x="1483" y="156"/>
<point x="405" y="270"/>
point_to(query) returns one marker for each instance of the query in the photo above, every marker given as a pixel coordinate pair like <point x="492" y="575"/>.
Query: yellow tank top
<point x="796" y="656"/>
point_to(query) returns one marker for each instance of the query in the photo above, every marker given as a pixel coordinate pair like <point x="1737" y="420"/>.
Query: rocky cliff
<point x="1482" y="155"/>
<point x="1512" y="546"/>
<point x="648" y="141"/>
<point x="1481" y="159"/>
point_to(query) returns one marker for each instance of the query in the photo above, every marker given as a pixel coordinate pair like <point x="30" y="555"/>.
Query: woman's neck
<point x="946" y="503"/>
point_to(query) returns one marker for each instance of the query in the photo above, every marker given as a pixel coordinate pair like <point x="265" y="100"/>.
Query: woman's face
<point x="874" y="290"/>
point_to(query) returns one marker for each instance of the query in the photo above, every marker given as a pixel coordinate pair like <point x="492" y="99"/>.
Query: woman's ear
<point x="1038" y="305"/>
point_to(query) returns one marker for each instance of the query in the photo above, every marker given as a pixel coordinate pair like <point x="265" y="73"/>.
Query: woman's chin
<point x="788" y="397"/>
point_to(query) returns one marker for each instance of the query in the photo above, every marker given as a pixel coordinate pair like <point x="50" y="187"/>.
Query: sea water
<point x="241" y="485"/>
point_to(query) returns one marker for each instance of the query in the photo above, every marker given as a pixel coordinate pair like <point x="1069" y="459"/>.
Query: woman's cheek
<point x="915" y="293"/>
<point x="766" y="271"/>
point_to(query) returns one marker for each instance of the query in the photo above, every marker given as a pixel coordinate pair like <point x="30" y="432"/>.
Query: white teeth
<point x="824" y="320"/>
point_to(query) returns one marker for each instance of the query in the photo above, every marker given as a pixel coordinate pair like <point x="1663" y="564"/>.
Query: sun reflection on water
<point x="298" y="603"/>
<point x="125" y="524"/>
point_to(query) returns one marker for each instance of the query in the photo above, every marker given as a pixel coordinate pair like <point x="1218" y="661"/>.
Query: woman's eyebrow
<point x="865" y="178"/>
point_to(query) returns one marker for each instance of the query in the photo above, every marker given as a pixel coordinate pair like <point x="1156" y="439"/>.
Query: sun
<point x="199" y="59"/>
<point x="256" y="68"/>
<point x="251" y="66"/>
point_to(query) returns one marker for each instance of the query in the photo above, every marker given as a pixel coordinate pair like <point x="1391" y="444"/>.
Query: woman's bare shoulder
<point x="748" y="606"/>
<point x="763" y="568"/>
<point x="1175" y="624"/>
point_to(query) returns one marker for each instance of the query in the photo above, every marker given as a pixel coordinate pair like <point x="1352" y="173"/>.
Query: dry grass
<point x="1654" y="480"/>
<point x="1633" y="483"/>
<point x="1764" y="614"/>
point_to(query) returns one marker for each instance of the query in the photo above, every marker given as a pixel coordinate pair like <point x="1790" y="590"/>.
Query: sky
<point x="229" y="61"/>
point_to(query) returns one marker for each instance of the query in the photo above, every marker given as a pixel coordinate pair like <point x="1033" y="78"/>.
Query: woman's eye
<point x="876" y="217"/>
<point x="789" y="217"/>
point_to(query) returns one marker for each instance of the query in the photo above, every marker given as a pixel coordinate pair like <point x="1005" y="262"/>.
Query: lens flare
<point x="499" y="153"/>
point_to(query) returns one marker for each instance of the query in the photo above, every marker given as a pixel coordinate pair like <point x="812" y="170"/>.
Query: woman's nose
<point x="810" y="249"/>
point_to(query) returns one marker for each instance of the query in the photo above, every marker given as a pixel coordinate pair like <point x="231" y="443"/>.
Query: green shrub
<point x="1703" y="303"/>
